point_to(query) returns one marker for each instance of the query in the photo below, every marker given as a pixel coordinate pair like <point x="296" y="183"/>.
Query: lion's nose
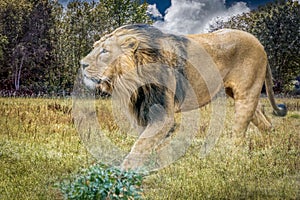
<point x="98" y="81"/>
<point x="83" y="65"/>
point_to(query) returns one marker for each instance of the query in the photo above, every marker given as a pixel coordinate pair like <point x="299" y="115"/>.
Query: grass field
<point x="39" y="146"/>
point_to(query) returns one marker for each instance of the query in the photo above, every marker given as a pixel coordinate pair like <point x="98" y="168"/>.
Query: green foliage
<point x="101" y="182"/>
<point x="3" y="42"/>
<point x="41" y="43"/>
<point x="276" y="25"/>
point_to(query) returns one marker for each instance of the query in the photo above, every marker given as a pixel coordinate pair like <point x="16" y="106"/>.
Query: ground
<point x="39" y="147"/>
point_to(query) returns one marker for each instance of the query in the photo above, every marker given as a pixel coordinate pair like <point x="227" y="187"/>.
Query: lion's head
<point x="118" y="53"/>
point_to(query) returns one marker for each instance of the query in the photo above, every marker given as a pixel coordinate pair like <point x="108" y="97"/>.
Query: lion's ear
<point x="130" y="44"/>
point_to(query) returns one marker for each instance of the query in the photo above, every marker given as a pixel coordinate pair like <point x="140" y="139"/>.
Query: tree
<point x="25" y="25"/>
<point x="41" y="43"/>
<point x="79" y="26"/>
<point x="276" y="25"/>
<point x="13" y="15"/>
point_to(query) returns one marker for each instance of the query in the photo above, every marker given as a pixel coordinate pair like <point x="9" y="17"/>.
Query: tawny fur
<point x="239" y="58"/>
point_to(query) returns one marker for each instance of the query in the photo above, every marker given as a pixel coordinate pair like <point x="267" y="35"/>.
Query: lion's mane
<point x="153" y="63"/>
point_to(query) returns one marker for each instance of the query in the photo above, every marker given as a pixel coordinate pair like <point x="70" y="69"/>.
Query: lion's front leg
<point x="143" y="151"/>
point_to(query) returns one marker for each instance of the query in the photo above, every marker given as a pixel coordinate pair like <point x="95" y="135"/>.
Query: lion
<point x="238" y="57"/>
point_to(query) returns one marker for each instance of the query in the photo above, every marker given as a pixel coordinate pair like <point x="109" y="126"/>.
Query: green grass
<point x="39" y="146"/>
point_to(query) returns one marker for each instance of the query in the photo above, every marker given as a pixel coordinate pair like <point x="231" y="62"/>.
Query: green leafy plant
<point x="102" y="182"/>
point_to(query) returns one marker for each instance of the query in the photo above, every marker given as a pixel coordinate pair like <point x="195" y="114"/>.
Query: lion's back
<point x="230" y="47"/>
<point x="228" y="41"/>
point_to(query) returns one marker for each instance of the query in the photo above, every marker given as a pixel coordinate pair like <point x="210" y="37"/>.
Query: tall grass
<point x="266" y="166"/>
<point x="39" y="146"/>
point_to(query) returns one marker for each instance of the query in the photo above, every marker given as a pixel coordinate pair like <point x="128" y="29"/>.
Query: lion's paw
<point x="133" y="162"/>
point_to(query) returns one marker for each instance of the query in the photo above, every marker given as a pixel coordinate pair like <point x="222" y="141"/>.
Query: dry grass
<point x="39" y="146"/>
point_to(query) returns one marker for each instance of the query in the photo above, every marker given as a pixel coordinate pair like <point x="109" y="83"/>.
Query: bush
<point x="102" y="182"/>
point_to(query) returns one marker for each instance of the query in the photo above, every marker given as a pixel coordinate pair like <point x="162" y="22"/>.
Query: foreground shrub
<point x="102" y="182"/>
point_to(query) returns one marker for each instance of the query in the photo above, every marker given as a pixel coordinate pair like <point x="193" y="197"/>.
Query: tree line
<point x="276" y="25"/>
<point x="41" y="42"/>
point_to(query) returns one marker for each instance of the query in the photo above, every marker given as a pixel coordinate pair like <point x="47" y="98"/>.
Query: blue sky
<point x="194" y="16"/>
<point x="162" y="5"/>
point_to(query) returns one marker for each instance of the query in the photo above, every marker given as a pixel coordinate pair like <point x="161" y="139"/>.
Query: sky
<point x="162" y="5"/>
<point x="194" y="16"/>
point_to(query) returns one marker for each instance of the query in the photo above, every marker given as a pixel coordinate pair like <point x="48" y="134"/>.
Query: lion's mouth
<point x="102" y="86"/>
<point x="96" y="81"/>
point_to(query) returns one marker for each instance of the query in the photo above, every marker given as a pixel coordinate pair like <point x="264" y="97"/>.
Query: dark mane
<point x="162" y="51"/>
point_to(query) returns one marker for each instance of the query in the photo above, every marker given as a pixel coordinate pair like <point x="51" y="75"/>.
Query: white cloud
<point x="153" y="11"/>
<point x="194" y="16"/>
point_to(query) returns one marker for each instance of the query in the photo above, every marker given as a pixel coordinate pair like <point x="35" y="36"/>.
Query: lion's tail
<point x="280" y="109"/>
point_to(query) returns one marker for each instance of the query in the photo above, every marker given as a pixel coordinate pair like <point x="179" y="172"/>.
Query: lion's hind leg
<point x="260" y="120"/>
<point x="244" y="112"/>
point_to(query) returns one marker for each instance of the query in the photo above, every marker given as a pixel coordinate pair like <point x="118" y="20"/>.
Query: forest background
<point x="42" y="42"/>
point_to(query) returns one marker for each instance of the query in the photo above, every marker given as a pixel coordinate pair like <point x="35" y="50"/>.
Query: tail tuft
<point x="281" y="111"/>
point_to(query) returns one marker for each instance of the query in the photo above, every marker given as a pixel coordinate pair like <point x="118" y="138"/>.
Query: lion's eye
<point x="102" y="51"/>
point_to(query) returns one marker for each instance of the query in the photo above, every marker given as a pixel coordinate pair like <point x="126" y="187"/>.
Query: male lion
<point x="145" y="52"/>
